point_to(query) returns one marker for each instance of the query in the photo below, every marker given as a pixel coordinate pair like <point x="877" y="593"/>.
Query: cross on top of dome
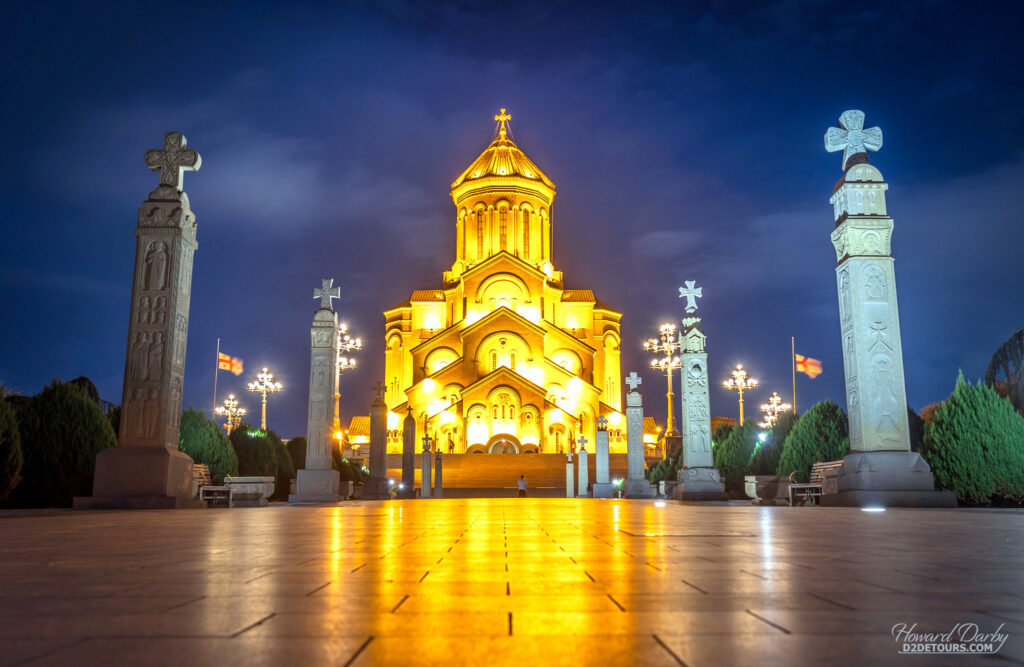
<point x="503" y="118"/>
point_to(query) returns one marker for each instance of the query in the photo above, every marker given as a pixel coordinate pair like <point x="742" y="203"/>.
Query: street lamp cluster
<point x="231" y="413"/>
<point x="263" y="385"/>
<point x="771" y="410"/>
<point x="740" y="382"/>
<point x="664" y="349"/>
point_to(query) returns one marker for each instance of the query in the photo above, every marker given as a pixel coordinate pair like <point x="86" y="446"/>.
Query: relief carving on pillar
<point x="155" y="276"/>
<point x="875" y="288"/>
<point x="180" y="336"/>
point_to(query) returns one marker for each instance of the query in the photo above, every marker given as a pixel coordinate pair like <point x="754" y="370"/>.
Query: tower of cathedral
<point x="502" y="358"/>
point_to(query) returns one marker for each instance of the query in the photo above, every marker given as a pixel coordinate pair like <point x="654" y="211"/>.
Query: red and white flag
<point x="811" y="367"/>
<point x="228" y="363"/>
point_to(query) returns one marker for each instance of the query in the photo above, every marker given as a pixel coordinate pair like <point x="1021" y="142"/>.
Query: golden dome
<point x="503" y="159"/>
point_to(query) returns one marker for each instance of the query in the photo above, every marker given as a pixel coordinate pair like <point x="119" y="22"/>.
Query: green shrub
<point x="62" y="430"/>
<point x="297" y="450"/>
<point x="256" y="456"/>
<point x="821" y="434"/>
<point x="11" y="458"/>
<point x="205" y="442"/>
<point x="285" y="467"/>
<point x="975" y="445"/>
<point x="765" y="460"/>
<point x="733" y="456"/>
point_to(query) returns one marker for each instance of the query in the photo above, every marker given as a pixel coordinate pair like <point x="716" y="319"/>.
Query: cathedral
<point x="501" y="357"/>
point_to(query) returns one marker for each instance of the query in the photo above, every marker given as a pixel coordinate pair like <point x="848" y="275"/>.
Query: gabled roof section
<point x="567" y="337"/>
<point x="509" y="374"/>
<point x="486" y="265"/>
<point x="499" y="312"/>
<point x="360" y="425"/>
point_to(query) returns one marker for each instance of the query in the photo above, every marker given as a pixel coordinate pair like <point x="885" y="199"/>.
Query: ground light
<point x="659" y="503"/>
<point x="872" y="509"/>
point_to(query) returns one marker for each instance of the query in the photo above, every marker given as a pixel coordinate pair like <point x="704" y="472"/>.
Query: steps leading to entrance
<point x="502" y="471"/>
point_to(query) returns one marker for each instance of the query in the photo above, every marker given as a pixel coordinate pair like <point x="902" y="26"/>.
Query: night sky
<point x="685" y="144"/>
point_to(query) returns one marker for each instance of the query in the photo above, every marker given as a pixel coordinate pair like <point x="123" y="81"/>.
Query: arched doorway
<point x="504" y="443"/>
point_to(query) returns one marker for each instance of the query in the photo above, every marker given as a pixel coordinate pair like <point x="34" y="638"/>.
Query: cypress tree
<point x="285" y="467"/>
<point x="732" y="456"/>
<point x="821" y="434"/>
<point x="11" y="458"/>
<point x="975" y="445"/>
<point x="766" y="457"/>
<point x="62" y="429"/>
<point x="256" y="456"/>
<point x="205" y="442"/>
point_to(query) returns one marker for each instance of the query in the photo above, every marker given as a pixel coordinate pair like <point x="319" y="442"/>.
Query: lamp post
<point x="346" y="344"/>
<point x="263" y="385"/>
<point x="666" y="361"/>
<point x="771" y="410"/>
<point x="740" y="383"/>
<point x="231" y="412"/>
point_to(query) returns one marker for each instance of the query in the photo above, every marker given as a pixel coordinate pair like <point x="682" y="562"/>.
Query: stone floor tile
<point x="642" y="622"/>
<point x="200" y="652"/>
<point x="641" y="650"/>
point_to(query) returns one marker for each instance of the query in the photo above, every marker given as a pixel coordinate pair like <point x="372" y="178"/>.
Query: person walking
<point x="522" y="486"/>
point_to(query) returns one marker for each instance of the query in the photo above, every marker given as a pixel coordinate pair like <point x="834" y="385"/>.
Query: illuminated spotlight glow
<point x="660" y="503"/>
<point x="872" y="509"/>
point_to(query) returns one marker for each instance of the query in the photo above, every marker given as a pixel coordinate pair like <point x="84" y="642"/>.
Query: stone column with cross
<point x="319" y="482"/>
<point x="570" y="477"/>
<point x="698" y="478"/>
<point x="637" y="485"/>
<point x="880" y="468"/>
<point x="408" y="489"/>
<point x="146" y="470"/>
<point x="602" y="481"/>
<point x="376" y="486"/>
<point x="583" y="461"/>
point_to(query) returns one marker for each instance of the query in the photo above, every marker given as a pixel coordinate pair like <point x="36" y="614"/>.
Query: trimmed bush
<point x="205" y="442"/>
<point x="297" y="450"/>
<point x="975" y="445"/>
<point x="256" y="455"/>
<point x="733" y="456"/>
<point x="821" y="434"/>
<point x="11" y="458"/>
<point x="285" y="467"/>
<point x="765" y="460"/>
<point x="62" y="429"/>
<point x="667" y="469"/>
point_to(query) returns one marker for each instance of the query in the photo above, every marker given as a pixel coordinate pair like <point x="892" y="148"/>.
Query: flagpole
<point x="216" y="369"/>
<point x="792" y="360"/>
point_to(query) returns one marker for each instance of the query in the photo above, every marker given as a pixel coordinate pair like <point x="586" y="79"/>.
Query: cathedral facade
<point x="502" y="358"/>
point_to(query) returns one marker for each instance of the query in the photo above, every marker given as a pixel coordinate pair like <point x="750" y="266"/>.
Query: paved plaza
<point x="503" y="581"/>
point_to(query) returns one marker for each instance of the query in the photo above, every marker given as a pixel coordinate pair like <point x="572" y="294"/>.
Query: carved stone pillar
<point x="319" y="482"/>
<point x="880" y="468"/>
<point x="698" y="478"/>
<point x="146" y="470"/>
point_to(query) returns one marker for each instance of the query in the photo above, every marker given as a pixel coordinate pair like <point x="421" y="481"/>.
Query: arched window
<point x="512" y="360"/>
<point x="495" y="412"/>
<point x="479" y="234"/>
<point x="503" y="229"/>
<point x="511" y="412"/>
<point x="526" y="234"/>
<point x="494" y="360"/>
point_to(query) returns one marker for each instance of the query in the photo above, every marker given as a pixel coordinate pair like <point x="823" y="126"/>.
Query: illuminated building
<point x="502" y="357"/>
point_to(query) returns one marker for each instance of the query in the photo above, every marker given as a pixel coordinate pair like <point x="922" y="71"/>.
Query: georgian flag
<point x="229" y="363"/>
<point x="811" y="367"/>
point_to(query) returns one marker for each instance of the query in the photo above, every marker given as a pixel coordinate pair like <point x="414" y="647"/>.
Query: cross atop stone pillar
<point x="326" y="293"/>
<point x="147" y="470"/>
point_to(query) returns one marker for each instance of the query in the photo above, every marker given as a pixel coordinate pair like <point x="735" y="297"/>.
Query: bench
<point x="206" y="490"/>
<point x="813" y="488"/>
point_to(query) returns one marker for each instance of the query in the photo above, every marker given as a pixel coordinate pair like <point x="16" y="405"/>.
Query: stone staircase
<point x="502" y="471"/>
